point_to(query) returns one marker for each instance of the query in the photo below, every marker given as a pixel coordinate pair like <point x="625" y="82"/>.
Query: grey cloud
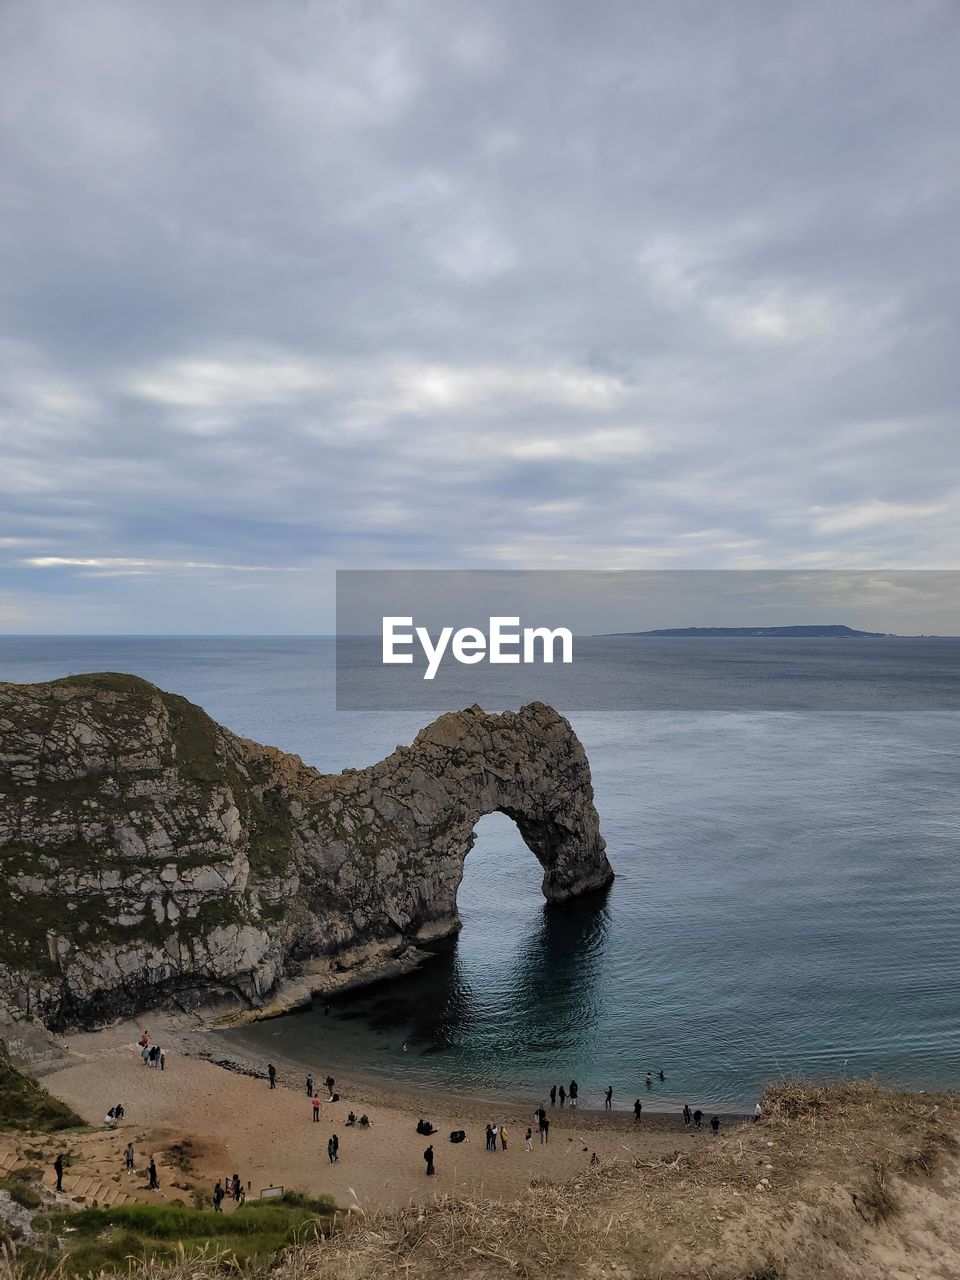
<point x="446" y="284"/>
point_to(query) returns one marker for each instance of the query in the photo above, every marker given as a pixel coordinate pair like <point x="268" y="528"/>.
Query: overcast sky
<point x="295" y="286"/>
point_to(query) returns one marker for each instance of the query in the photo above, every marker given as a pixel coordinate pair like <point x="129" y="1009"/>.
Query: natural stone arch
<point x="145" y="850"/>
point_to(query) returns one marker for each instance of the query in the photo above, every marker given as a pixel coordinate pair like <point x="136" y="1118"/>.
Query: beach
<point x="229" y="1121"/>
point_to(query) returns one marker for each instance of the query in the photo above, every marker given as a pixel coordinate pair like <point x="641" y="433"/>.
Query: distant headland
<point x="803" y="633"/>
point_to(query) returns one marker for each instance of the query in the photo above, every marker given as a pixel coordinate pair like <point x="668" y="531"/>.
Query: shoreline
<point x="230" y="1120"/>
<point x="389" y="1087"/>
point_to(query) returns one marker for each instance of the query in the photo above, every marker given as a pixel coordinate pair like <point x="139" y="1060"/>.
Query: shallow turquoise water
<point x="787" y="895"/>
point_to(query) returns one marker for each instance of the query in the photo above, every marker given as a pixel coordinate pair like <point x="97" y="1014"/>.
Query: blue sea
<point x="788" y="881"/>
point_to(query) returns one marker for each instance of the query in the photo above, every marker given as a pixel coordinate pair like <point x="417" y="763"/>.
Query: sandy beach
<point x="234" y="1122"/>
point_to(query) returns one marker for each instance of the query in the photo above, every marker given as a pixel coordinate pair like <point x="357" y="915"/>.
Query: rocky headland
<point x="148" y="853"/>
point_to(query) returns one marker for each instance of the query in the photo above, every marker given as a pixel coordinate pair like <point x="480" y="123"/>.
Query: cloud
<point x="421" y="284"/>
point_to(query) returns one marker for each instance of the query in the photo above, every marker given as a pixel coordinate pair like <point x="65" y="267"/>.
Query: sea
<point x="787" y="893"/>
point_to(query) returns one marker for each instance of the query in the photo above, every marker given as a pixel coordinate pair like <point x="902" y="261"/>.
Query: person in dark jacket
<point x="428" y="1157"/>
<point x="638" y="1112"/>
<point x="553" y="1095"/>
<point x="58" y="1170"/>
<point x="272" y="1075"/>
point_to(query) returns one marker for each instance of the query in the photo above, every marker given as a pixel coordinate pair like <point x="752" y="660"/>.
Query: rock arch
<point x="147" y="850"/>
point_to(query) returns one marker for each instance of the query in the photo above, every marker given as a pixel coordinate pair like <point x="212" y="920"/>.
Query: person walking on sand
<point x="562" y="1095"/>
<point x="336" y="1147"/>
<point x="58" y="1170"/>
<point x="697" y="1118"/>
<point x="428" y="1157"/>
<point x="715" y="1124"/>
<point x="529" y="1139"/>
<point x="218" y="1194"/>
<point x="545" y="1132"/>
<point x="503" y="1137"/>
<point x="608" y="1098"/>
<point x="310" y="1086"/>
<point x="154" y="1180"/>
<point x="638" y="1112"/>
<point x="315" y="1103"/>
<point x="163" y="1061"/>
<point x="686" y="1116"/>
<point x="330" y="1082"/>
<point x="553" y="1095"/>
<point x="272" y="1075"/>
<point x="331" y="1150"/>
<point x="574" y="1091"/>
<point x="128" y="1157"/>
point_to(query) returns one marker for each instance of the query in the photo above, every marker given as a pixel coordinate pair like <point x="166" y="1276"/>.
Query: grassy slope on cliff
<point x="112" y="1238"/>
<point x="24" y="1104"/>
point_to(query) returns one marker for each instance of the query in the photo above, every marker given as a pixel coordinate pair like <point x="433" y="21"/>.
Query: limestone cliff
<point x="146" y="851"/>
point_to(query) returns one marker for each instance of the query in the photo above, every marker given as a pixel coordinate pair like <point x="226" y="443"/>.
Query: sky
<point x="303" y="286"/>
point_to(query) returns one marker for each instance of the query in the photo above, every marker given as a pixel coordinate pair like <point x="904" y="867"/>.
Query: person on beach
<point x="336" y="1147"/>
<point x="686" y="1116"/>
<point x="544" y="1132"/>
<point x="330" y="1082"/>
<point x="315" y="1103"/>
<point x="236" y="1188"/>
<point x="529" y="1139"/>
<point x="144" y="1040"/>
<point x="163" y="1061"/>
<point x="608" y="1098"/>
<point x="58" y="1170"/>
<point x="128" y="1157"/>
<point x="154" y="1180"/>
<point x="757" y="1113"/>
<point x="118" y="1112"/>
<point x="145" y="1055"/>
<point x="697" y="1118"/>
<point x="553" y="1095"/>
<point x="365" y="1121"/>
<point x="428" y="1156"/>
<point x="331" y="1150"/>
<point x="489" y="1135"/>
<point x="562" y="1095"/>
<point x="310" y="1086"/>
<point x="218" y="1194"/>
<point x="272" y="1075"/>
<point x="638" y="1112"/>
<point x="574" y="1091"/>
<point x="351" y="1119"/>
<point x="541" y="1118"/>
<point x="503" y="1137"/>
<point x="715" y="1124"/>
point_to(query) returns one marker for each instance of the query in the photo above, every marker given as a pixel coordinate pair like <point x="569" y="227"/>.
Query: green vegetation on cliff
<point x="114" y="1238"/>
<point x="24" y="1104"/>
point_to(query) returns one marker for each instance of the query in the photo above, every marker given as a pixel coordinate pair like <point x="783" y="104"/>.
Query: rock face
<point x="145" y="851"/>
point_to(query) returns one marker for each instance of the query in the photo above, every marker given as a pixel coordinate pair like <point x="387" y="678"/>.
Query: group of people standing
<point x="234" y="1188"/>
<point x="563" y="1095"/>
<point x="152" y="1054"/>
